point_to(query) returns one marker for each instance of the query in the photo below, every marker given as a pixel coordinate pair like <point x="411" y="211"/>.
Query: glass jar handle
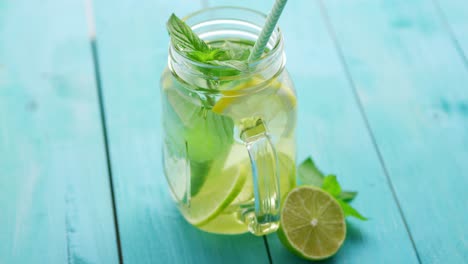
<point x="265" y="216"/>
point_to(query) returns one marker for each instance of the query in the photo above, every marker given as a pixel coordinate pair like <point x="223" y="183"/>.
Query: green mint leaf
<point x="235" y="51"/>
<point x="347" y="196"/>
<point x="186" y="41"/>
<point x="331" y="185"/>
<point x="210" y="136"/>
<point x="309" y="174"/>
<point x="195" y="48"/>
<point x="207" y="55"/>
<point x="241" y="66"/>
<point x="183" y="37"/>
<point x="350" y="211"/>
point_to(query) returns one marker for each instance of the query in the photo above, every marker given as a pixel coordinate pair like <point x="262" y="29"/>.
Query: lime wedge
<point x="228" y="221"/>
<point x="312" y="223"/>
<point x="221" y="186"/>
<point x="225" y="223"/>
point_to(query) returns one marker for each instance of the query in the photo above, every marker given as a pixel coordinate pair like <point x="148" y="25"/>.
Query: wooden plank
<point x="454" y="13"/>
<point x="132" y="45"/>
<point x="331" y="129"/>
<point x="412" y="84"/>
<point x="54" y="191"/>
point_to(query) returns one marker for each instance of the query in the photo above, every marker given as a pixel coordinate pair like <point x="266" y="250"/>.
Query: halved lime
<point x="312" y="223"/>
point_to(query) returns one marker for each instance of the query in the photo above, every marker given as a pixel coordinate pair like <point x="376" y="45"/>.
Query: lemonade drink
<point x="229" y="134"/>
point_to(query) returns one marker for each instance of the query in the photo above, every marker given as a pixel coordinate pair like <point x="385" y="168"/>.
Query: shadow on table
<point x="281" y="255"/>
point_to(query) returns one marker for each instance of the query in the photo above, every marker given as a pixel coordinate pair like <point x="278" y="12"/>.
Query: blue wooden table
<point x="383" y="103"/>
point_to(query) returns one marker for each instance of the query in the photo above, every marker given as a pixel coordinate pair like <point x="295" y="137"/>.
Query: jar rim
<point x="276" y="47"/>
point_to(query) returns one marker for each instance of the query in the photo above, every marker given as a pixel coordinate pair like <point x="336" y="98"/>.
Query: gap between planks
<point x="450" y="32"/>
<point x="93" y="44"/>
<point x="360" y="106"/>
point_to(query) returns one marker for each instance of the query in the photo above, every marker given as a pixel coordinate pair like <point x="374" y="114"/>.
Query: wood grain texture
<point x="54" y="191"/>
<point x="454" y="15"/>
<point x="132" y="45"/>
<point x="331" y="129"/>
<point x="412" y="84"/>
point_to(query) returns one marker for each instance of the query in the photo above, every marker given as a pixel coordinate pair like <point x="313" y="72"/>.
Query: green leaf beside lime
<point x="313" y="215"/>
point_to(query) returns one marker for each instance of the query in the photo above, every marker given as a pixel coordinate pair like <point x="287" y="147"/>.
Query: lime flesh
<point x="312" y="223"/>
<point x="222" y="217"/>
<point x="221" y="186"/>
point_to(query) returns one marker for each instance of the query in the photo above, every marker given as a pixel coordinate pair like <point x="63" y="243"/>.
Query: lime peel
<point x="205" y="204"/>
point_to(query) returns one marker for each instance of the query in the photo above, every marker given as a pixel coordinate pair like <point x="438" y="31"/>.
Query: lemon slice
<point x="275" y="104"/>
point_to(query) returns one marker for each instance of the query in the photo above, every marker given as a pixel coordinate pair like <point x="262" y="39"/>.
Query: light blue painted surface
<point x="455" y="12"/>
<point x="132" y="44"/>
<point x="413" y="84"/>
<point x="55" y="204"/>
<point x="332" y="130"/>
<point x="54" y="190"/>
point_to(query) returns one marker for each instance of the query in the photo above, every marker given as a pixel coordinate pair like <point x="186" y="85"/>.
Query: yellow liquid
<point x="206" y="164"/>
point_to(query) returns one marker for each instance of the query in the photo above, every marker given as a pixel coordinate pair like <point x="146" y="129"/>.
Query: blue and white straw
<point x="268" y="28"/>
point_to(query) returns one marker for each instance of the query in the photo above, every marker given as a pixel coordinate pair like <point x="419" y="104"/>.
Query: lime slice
<point x="312" y="223"/>
<point x="221" y="186"/>
<point x="225" y="223"/>
<point x="228" y="221"/>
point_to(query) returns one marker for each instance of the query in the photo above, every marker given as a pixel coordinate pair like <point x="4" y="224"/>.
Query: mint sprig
<point x="184" y="38"/>
<point x="309" y="174"/>
<point x="191" y="45"/>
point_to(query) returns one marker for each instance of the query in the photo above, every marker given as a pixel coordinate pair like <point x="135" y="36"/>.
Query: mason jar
<point x="229" y="134"/>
